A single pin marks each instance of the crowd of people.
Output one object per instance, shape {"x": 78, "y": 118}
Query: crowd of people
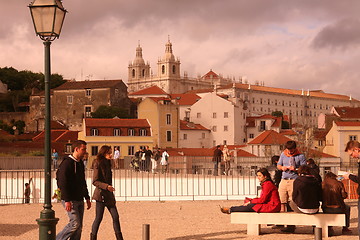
{"x": 297, "y": 186}
{"x": 146, "y": 160}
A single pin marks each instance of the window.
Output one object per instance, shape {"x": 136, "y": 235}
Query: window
{"x": 198, "y": 115}
{"x": 143, "y": 72}
{"x": 117, "y": 132}
{"x": 173, "y": 69}
{"x": 225, "y": 128}
{"x": 69, "y": 99}
{"x": 268, "y": 101}
{"x": 353, "y": 138}
{"x": 168, "y": 119}
{"x": 214, "y": 115}
{"x": 143, "y": 132}
{"x": 320, "y": 143}
{"x": 296, "y": 104}
{"x": 262, "y": 126}
{"x": 131, "y": 150}
{"x": 168, "y": 136}
{"x": 283, "y": 102}
{"x": 275, "y": 102}
{"x": 251, "y": 135}
{"x": 260, "y": 100}
{"x": 88, "y": 92}
{"x": 163, "y": 69}
{"x": 203, "y": 135}
{"x": 131, "y": 132}
{"x": 226, "y": 115}
{"x": 185, "y": 136}
{"x": 225, "y": 142}
{"x": 88, "y": 112}
{"x": 94, "y": 150}
{"x": 214, "y": 128}
{"x": 133, "y": 73}
{"x": 94, "y": 132}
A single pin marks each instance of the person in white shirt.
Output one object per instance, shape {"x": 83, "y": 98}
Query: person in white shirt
{"x": 164, "y": 161}
{"x": 116, "y": 157}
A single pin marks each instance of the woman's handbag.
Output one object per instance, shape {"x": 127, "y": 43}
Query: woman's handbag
{"x": 108, "y": 198}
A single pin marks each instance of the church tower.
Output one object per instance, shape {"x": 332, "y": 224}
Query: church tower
{"x": 168, "y": 67}
{"x": 138, "y": 70}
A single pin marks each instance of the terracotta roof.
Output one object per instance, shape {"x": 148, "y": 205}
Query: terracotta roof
{"x": 313, "y": 93}
{"x": 185, "y": 125}
{"x": 157, "y": 99}
{"x": 288, "y": 132}
{"x": 153, "y": 90}
{"x": 186, "y": 98}
{"x": 201, "y": 90}
{"x": 88, "y": 84}
{"x": 277, "y": 122}
{"x": 348, "y": 112}
{"x": 320, "y": 134}
{"x": 313, "y": 152}
{"x": 116, "y": 122}
{"x": 57, "y": 125}
{"x": 348, "y": 123}
{"x": 57, "y": 136}
{"x": 210, "y": 75}
{"x": 270, "y": 137}
{"x": 4, "y": 133}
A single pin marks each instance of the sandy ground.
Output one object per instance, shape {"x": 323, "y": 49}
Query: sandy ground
{"x": 171, "y": 220}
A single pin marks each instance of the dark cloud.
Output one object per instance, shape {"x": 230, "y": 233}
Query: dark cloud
{"x": 341, "y": 35}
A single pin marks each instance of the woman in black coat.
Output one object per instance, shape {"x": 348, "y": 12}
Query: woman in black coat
{"x": 103, "y": 194}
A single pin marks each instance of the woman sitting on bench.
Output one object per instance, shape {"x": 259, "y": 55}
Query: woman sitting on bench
{"x": 268, "y": 202}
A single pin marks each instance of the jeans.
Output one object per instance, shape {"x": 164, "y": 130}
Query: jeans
{"x": 247, "y": 208}
{"x": 100, "y": 207}
{"x": 339, "y": 210}
{"x": 55, "y": 164}
{"x": 216, "y": 167}
{"x": 73, "y": 229}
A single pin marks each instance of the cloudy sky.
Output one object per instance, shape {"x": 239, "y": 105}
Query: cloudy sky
{"x": 297, "y": 44}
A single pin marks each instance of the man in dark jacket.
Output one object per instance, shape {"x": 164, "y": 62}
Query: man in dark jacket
{"x": 217, "y": 159}
{"x": 72, "y": 184}
{"x": 353, "y": 149}
{"x": 148, "y": 155}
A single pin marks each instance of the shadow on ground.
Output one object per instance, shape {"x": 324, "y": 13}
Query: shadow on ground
{"x": 213, "y": 236}
{"x": 16, "y": 229}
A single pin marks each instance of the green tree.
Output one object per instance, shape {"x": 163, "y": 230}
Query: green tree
{"x": 110, "y": 112}
{"x": 277, "y": 114}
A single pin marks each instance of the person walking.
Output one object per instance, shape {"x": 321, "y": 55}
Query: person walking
{"x": 104, "y": 192}
{"x": 217, "y": 159}
{"x": 116, "y": 158}
{"x": 72, "y": 184}
{"x": 353, "y": 149}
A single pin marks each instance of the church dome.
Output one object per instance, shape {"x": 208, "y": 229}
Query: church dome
{"x": 168, "y": 56}
{"x": 139, "y": 59}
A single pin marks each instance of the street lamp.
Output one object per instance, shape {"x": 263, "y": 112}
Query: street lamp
{"x": 48, "y": 17}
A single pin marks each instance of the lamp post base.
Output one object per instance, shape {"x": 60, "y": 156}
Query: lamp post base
{"x": 47, "y": 224}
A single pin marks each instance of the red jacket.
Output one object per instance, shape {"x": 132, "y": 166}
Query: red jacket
{"x": 269, "y": 200}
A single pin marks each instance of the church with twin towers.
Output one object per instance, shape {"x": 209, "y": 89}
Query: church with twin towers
{"x": 168, "y": 76}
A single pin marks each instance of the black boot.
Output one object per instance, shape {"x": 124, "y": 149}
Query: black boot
{"x": 119, "y": 236}
{"x": 93, "y": 237}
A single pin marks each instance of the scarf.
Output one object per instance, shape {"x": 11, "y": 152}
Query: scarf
{"x": 288, "y": 154}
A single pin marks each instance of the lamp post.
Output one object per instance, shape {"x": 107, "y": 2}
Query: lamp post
{"x": 48, "y": 17}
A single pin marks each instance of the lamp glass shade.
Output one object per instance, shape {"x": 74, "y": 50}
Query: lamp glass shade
{"x": 48, "y": 17}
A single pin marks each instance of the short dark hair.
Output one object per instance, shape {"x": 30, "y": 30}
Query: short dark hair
{"x": 275, "y": 159}
{"x": 304, "y": 170}
{"x": 310, "y": 161}
{"x": 77, "y": 144}
{"x": 351, "y": 145}
{"x": 290, "y": 144}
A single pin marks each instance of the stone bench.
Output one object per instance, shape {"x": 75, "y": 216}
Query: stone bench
{"x": 254, "y": 220}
